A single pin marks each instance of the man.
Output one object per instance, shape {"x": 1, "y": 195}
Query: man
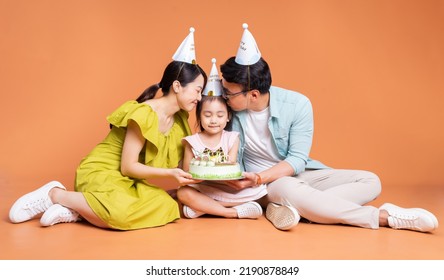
{"x": 276, "y": 130}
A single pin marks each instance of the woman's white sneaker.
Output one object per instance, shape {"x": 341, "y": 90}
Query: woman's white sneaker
{"x": 410, "y": 218}
{"x": 58, "y": 214}
{"x": 30, "y": 205}
{"x": 248, "y": 210}
{"x": 283, "y": 217}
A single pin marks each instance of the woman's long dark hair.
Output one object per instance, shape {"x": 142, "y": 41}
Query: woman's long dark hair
{"x": 183, "y": 72}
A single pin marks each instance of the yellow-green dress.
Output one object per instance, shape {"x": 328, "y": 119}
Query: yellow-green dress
{"x": 126, "y": 203}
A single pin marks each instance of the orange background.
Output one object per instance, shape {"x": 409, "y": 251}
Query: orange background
{"x": 372, "y": 69}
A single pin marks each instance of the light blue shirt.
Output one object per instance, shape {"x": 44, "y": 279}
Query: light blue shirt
{"x": 291, "y": 126}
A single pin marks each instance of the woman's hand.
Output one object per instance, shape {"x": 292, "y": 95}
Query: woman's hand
{"x": 183, "y": 178}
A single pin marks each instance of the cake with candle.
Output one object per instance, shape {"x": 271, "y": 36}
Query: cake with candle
{"x": 214, "y": 166}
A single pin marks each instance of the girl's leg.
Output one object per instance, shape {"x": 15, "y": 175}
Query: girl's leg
{"x": 202, "y": 203}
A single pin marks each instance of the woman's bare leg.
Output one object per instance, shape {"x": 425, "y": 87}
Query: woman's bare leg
{"x": 77, "y": 202}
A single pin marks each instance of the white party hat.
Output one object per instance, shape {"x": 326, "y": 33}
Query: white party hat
{"x": 214, "y": 84}
{"x": 186, "y": 52}
{"x": 248, "y": 52}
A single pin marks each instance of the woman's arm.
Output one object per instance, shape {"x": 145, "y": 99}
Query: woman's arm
{"x": 131, "y": 167}
{"x": 132, "y": 146}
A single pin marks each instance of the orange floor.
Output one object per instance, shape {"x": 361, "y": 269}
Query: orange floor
{"x": 216, "y": 238}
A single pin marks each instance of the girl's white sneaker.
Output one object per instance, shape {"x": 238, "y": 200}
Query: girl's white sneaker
{"x": 248, "y": 210}
{"x": 190, "y": 213}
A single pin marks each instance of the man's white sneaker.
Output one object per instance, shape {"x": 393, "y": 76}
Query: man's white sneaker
{"x": 58, "y": 214}
{"x": 190, "y": 213}
{"x": 248, "y": 210}
{"x": 30, "y": 205}
{"x": 283, "y": 217}
{"x": 410, "y": 218}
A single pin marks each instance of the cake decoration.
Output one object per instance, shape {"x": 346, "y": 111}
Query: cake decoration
{"x": 214, "y": 165}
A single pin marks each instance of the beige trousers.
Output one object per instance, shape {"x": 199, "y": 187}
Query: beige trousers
{"x": 330, "y": 196}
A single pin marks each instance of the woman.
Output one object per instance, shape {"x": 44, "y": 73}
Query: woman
{"x": 144, "y": 142}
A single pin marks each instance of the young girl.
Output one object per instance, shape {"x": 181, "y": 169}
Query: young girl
{"x": 212, "y": 115}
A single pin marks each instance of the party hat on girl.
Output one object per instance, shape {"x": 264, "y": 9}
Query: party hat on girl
{"x": 214, "y": 85}
{"x": 186, "y": 52}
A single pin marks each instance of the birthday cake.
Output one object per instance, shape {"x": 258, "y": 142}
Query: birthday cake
{"x": 214, "y": 166}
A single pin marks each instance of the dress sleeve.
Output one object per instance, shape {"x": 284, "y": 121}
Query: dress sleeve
{"x": 141, "y": 113}
{"x": 166, "y": 150}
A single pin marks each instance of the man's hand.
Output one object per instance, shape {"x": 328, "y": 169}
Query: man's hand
{"x": 248, "y": 181}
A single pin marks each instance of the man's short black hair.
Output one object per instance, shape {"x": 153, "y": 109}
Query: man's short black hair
{"x": 256, "y": 76}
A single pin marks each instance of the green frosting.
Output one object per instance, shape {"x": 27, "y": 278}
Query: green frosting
{"x": 226, "y": 176}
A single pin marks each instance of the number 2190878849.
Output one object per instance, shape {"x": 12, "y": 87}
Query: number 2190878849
{"x": 269, "y": 270}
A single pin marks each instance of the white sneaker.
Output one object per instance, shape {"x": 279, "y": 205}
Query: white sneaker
{"x": 190, "y": 213}
{"x": 58, "y": 214}
{"x": 283, "y": 217}
{"x": 30, "y": 205}
{"x": 248, "y": 210}
{"x": 410, "y": 218}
